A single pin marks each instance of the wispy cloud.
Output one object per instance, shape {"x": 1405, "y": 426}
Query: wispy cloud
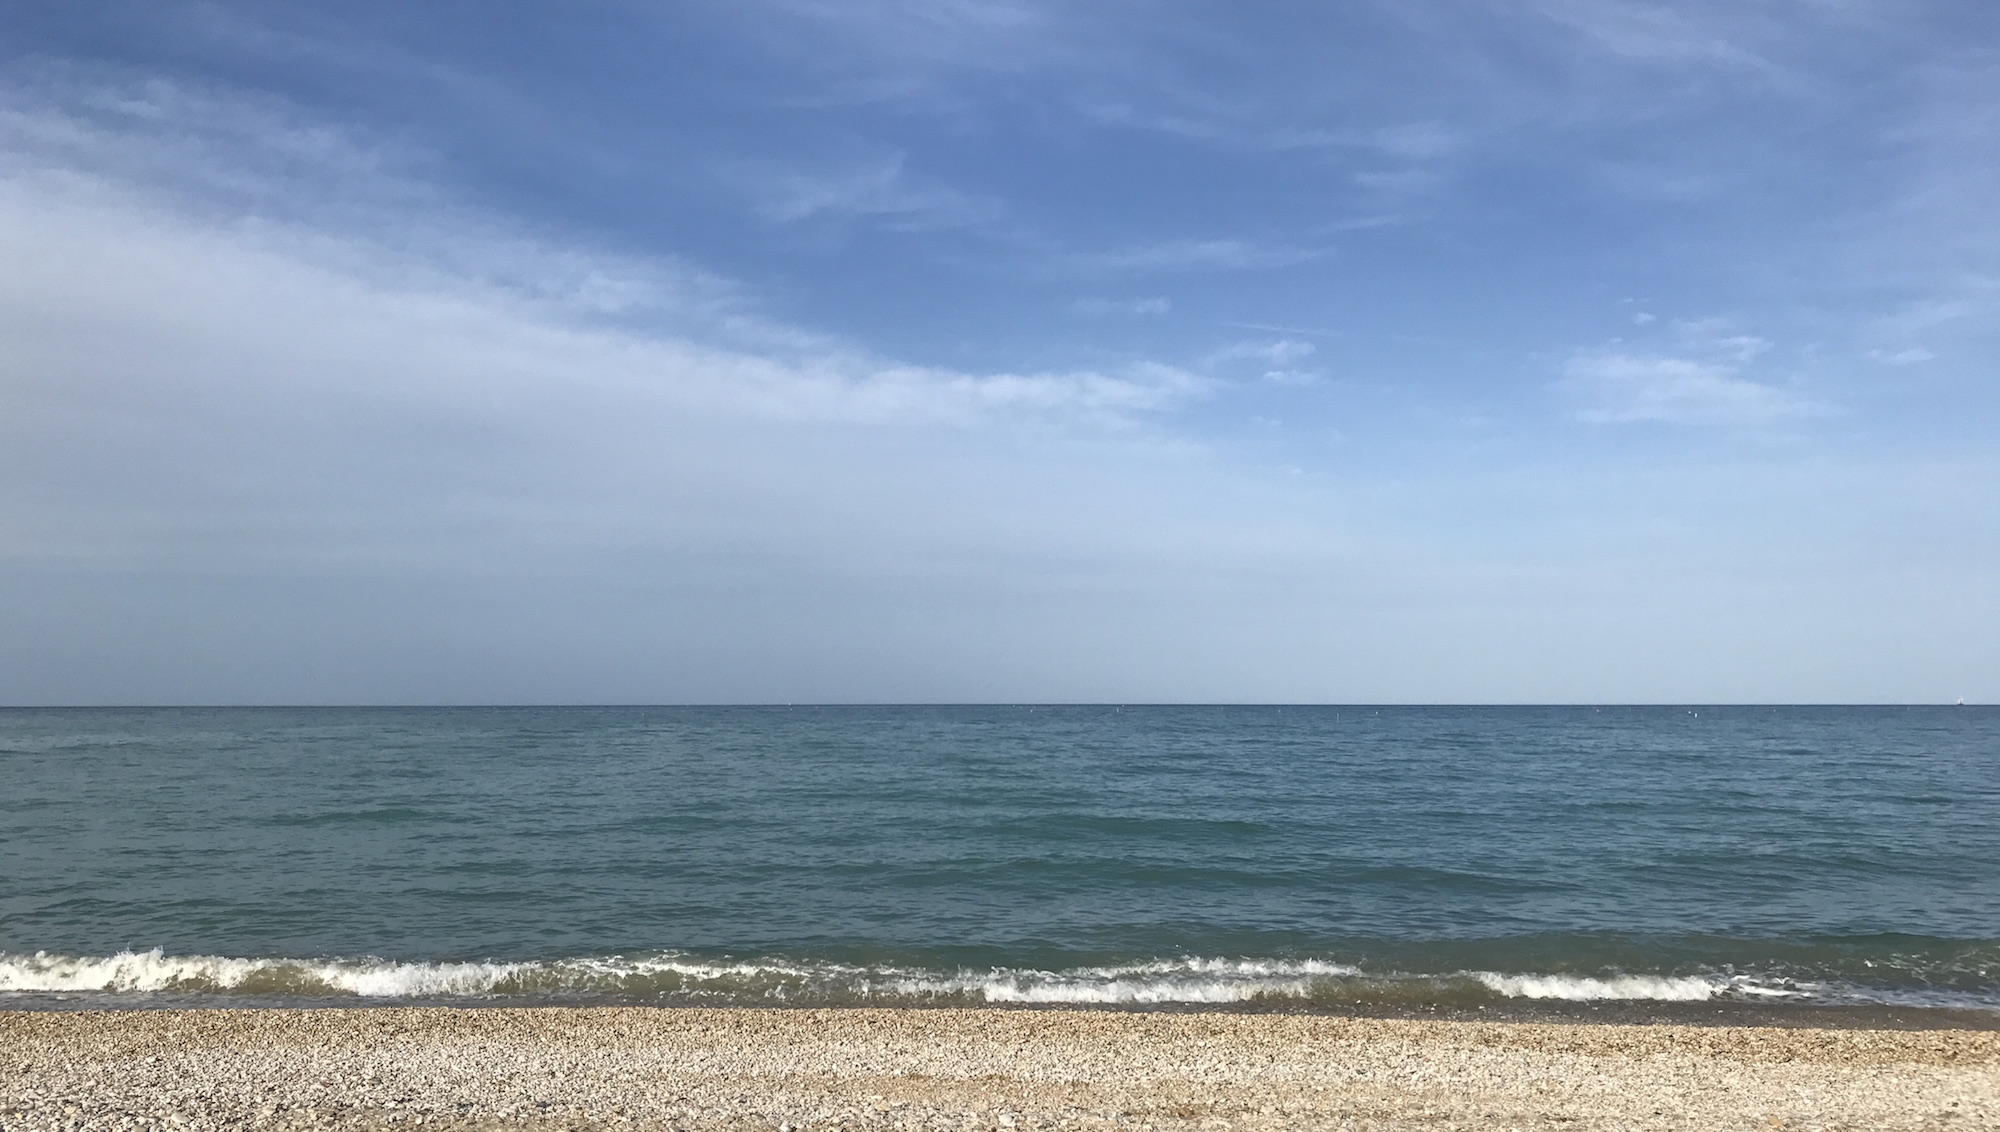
{"x": 1910, "y": 356}
{"x": 1620, "y": 388}
{"x": 1098, "y": 308}
{"x": 1688, "y": 33}
{"x": 1717, "y": 338}
{"x": 231, "y": 154}
{"x": 1278, "y": 359}
{"x": 200, "y": 166}
{"x": 1185, "y": 254}
{"x": 1701, "y": 381}
{"x": 1252, "y": 125}
{"x": 191, "y": 384}
{"x": 881, "y": 190}
{"x": 1398, "y": 183}
{"x": 1930, "y": 313}
{"x": 1277, "y": 352}
{"x": 930, "y": 31}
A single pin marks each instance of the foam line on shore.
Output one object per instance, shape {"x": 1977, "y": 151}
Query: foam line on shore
{"x": 672, "y": 976}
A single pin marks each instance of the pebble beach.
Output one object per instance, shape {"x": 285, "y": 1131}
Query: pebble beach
{"x": 856, "y": 1069}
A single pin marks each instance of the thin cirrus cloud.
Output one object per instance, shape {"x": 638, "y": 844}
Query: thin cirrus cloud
{"x": 1712, "y": 34}
{"x": 1278, "y": 359}
{"x": 1194, "y": 254}
{"x": 1098, "y": 307}
{"x": 1277, "y": 352}
{"x": 1704, "y": 377}
{"x": 881, "y": 191}
{"x": 1908, "y": 356}
{"x": 1621, "y": 388}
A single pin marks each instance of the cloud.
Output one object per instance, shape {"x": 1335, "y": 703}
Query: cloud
{"x": 1620, "y": 388}
{"x": 230, "y": 470}
{"x": 701, "y": 363}
{"x": 1700, "y": 381}
{"x": 931, "y": 395}
{"x": 1400, "y": 182}
{"x": 1252, "y": 125}
{"x": 881, "y": 190}
{"x": 1279, "y": 358}
{"x": 961, "y": 32}
{"x": 256, "y": 168}
{"x": 1914, "y": 355}
{"x": 1972, "y": 300}
{"x": 1277, "y": 352}
{"x": 237, "y": 182}
{"x": 1153, "y": 305}
{"x": 1416, "y": 141}
{"x": 1707, "y": 34}
{"x": 1188, "y": 254}
{"x": 207, "y": 364}
{"x": 225, "y": 155}
{"x": 1715, "y": 338}
{"x": 267, "y": 384}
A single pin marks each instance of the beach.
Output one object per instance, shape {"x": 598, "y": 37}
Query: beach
{"x": 798, "y": 1069}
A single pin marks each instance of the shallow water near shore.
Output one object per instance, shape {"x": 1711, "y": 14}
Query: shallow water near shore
{"x": 1314, "y": 858}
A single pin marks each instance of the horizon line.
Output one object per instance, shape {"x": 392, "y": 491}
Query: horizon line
{"x": 1114, "y": 704}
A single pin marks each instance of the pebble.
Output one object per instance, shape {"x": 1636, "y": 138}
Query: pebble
{"x": 967, "y": 1071}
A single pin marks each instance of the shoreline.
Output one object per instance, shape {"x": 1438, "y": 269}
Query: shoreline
{"x": 1602, "y": 1012}
{"x": 808, "y": 1069}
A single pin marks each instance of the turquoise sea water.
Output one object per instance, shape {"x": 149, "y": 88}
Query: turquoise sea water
{"x": 911, "y": 855}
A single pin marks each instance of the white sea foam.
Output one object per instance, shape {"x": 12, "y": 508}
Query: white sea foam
{"x": 1579, "y": 988}
{"x": 678, "y": 976}
{"x": 1187, "y": 980}
{"x": 1190, "y": 980}
{"x": 154, "y": 971}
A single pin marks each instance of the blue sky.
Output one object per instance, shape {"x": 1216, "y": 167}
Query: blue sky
{"x": 772, "y": 350}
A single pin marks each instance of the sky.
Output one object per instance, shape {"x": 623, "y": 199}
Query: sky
{"x": 1456, "y": 351}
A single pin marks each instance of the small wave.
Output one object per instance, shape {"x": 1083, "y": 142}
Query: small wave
{"x": 1182, "y": 981}
{"x": 1575, "y": 988}
{"x": 152, "y": 972}
{"x": 680, "y": 977}
{"x": 147, "y": 972}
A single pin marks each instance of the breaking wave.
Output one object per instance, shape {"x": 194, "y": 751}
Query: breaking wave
{"x": 1180, "y": 981}
{"x": 677, "y": 977}
{"x": 1571, "y": 988}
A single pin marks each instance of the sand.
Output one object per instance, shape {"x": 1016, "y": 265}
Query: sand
{"x": 794, "y": 1070}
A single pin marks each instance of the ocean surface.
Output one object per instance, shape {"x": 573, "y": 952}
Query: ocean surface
{"x": 1298, "y": 857}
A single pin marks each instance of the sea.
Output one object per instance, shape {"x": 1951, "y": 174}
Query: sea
{"x": 1138, "y": 857}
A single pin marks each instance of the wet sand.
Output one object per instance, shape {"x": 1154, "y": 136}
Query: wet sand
{"x": 794, "y": 1070}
